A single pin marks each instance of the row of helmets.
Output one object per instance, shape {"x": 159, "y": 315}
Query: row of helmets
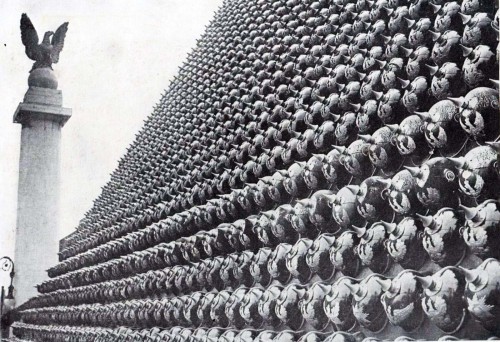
{"x": 442, "y": 238}
{"x": 180, "y": 334}
{"x": 342, "y": 21}
{"x": 446, "y": 297}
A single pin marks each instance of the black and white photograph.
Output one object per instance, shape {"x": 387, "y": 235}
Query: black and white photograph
{"x": 249, "y": 170}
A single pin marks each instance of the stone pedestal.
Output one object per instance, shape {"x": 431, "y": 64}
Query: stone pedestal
{"x": 42, "y": 116}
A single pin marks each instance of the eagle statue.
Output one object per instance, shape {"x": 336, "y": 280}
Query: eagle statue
{"x": 48, "y": 51}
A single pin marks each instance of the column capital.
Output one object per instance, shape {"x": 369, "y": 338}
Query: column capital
{"x": 42, "y": 104}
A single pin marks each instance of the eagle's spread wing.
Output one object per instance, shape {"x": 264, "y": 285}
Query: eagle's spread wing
{"x": 58, "y": 42}
{"x": 29, "y": 38}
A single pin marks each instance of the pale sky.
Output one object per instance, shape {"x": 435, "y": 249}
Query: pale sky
{"x": 118, "y": 57}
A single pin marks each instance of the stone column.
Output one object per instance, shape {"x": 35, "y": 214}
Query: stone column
{"x": 42, "y": 116}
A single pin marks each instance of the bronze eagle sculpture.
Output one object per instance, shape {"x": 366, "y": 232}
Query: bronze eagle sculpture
{"x": 48, "y": 51}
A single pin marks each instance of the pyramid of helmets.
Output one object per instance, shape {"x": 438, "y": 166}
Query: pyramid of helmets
{"x": 317, "y": 171}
